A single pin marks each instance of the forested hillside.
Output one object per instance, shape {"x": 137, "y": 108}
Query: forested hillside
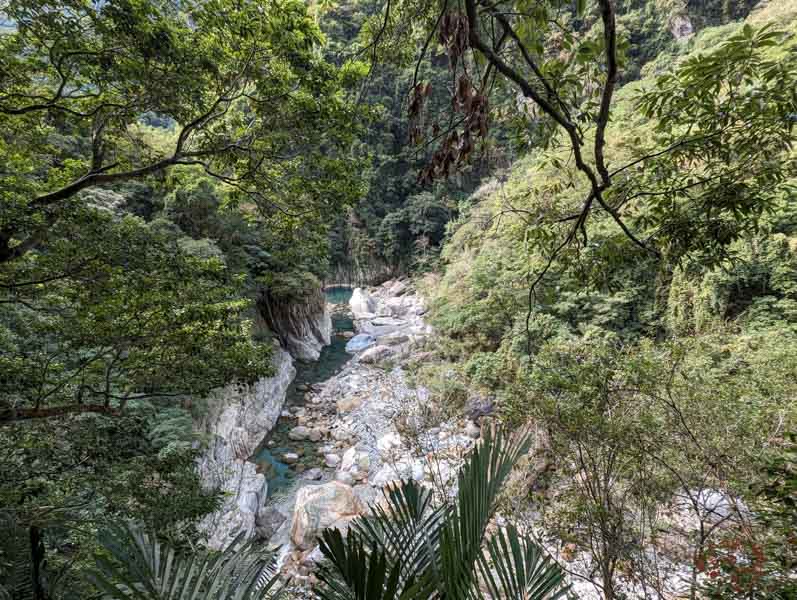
{"x": 577, "y": 376}
{"x": 660, "y": 363}
{"x": 399, "y": 225}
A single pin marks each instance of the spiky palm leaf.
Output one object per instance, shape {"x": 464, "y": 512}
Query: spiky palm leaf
{"x": 361, "y": 574}
{"x": 407, "y": 528}
{"x": 411, "y": 550}
{"x": 479, "y": 482}
{"x": 515, "y": 568}
{"x": 398, "y": 543}
{"x": 141, "y": 568}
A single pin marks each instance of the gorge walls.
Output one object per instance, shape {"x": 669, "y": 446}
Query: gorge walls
{"x": 303, "y": 326}
{"x": 238, "y": 417}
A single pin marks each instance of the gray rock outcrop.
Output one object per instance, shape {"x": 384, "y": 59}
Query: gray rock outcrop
{"x": 681, "y": 27}
{"x": 236, "y": 420}
{"x": 304, "y": 326}
{"x": 316, "y": 333}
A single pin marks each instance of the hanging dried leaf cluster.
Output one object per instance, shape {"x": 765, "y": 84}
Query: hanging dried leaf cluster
{"x": 457, "y": 147}
{"x": 467, "y": 100}
{"x": 420, "y": 93}
{"x": 453, "y": 36}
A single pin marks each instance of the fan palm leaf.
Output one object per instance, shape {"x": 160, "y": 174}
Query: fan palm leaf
{"x": 137, "y": 566}
{"x": 515, "y": 568}
{"x": 406, "y": 527}
{"x": 479, "y": 482}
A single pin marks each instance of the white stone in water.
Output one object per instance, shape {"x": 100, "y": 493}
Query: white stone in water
{"x": 360, "y": 342}
{"x": 313, "y": 474}
{"x": 290, "y": 458}
{"x": 331, "y": 460}
{"x": 299, "y": 434}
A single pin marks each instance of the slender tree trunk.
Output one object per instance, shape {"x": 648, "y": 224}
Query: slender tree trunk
{"x": 37, "y": 560}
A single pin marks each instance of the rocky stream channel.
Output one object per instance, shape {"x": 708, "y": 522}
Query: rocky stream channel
{"x": 285, "y": 458}
{"x": 312, "y": 446}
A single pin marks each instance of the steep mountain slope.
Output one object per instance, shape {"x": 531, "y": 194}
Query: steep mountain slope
{"x": 661, "y": 388}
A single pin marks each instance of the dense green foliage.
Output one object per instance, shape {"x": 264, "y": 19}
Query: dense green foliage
{"x": 159, "y": 161}
{"x": 605, "y": 201}
{"x": 399, "y": 224}
{"x": 650, "y": 375}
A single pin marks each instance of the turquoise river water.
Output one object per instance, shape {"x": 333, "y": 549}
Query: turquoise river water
{"x": 331, "y": 361}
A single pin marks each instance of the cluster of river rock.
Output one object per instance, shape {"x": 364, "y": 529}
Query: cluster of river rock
{"x": 351, "y": 435}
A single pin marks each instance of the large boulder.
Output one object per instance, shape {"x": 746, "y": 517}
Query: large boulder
{"x": 301, "y": 433}
{"x": 319, "y": 507}
{"x": 360, "y": 342}
{"x": 268, "y": 522}
{"x": 405, "y": 306}
{"x": 375, "y": 354}
{"x": 397, "y": 288}
{"x": 362, "y": 304}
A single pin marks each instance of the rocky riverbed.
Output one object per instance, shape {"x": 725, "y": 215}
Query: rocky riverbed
{"x": 357, "y": 430}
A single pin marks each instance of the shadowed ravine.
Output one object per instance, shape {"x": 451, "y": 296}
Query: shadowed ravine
{"x": 333, "y": 357}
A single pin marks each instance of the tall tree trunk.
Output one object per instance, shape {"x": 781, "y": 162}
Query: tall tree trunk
{"x": 37, "y": 560}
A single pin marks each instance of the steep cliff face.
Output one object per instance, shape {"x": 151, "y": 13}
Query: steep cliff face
{"x": 315, "y": 333}
{"x": 237, "y": 419}
{"x": 304, "y": 326}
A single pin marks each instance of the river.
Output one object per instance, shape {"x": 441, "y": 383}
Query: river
{"x": 276, "y": 445}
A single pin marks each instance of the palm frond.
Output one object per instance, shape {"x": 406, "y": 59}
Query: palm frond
{"x": 480, "y": 481}
{"x": 515, "y": 568}
{"x": 406, "y": 527}
{"x": 358, "y": 573}
{"x": 138, "y": 566}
